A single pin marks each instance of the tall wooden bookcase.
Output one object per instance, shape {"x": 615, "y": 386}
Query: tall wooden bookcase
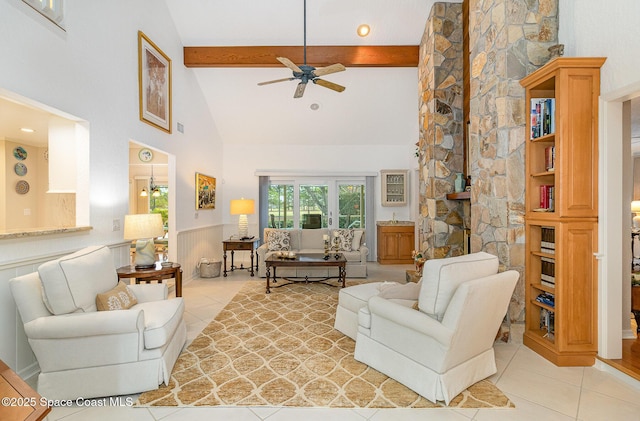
{"x": 561, "y": 210}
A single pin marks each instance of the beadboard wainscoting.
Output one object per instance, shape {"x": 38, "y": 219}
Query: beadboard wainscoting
{"x": 195, "y": 244}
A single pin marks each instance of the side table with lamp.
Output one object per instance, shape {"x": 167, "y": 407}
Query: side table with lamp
{"x": 143, "y": 228}
{"x": 241, "y": 207}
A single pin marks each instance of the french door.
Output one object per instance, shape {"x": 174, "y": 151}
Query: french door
{"x": 307, "y": 202}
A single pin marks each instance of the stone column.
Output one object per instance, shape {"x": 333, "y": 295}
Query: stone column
{"x": 440, "y": 148}
{"x": 508, "y": 40}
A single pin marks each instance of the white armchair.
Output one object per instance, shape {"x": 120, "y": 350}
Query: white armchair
{"x": 447, "y": 344}
{"x": 87, "y": 353}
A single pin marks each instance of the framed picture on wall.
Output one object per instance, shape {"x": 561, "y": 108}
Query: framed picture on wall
{"x": 154, "y": 82}
{"x": 205, "y": 192}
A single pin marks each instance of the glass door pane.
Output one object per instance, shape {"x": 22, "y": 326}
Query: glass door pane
{"x": 313, "y": 205}
{"x": 281, "y": 206}
{"x": 351, "y": 205}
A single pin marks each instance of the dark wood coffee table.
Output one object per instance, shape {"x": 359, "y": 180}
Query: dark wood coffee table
{"x": 307, "y": 260}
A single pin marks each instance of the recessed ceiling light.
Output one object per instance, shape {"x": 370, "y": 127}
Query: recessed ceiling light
{"x": 314, "y": 106}
{"x": 27, "y": 130}
{"x": 363, "y": 30}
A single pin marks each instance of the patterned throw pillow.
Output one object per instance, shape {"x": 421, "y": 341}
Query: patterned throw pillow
{"x": 278, "y": 240}
{"x": 344, "y": 238}
{"x": 119, "y": 298}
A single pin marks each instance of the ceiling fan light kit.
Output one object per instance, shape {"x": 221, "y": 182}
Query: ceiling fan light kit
{"x": 306, "y": 73}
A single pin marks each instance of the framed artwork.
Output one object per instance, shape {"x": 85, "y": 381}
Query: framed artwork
{"x": 205, "y": 192}
{"x": 154, "y": 82}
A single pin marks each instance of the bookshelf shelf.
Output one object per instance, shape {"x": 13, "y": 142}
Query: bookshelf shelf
{"x": 550, "y": 138}
{"x": 544, "y": 174}
{"x": 543, "y": 288}
{"x": 541, "y": 305}
{"x": 561, "y": 210}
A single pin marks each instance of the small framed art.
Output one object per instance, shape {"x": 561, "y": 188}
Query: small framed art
{"x": 205, "y": 192}
{"x": 154, "y": 82}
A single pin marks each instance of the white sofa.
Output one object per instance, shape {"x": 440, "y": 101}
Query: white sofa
{"x": 311, "y": 241}
{"x": 446, "y": 344}
{"x": 83, "y": 352}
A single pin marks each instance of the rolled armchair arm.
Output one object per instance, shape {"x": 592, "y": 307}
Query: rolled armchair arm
{"x": 79, "y": 325}
{"x": 364, "y": 252}
{"x": 410, "y": 318}
{"x": 262, "y": 250}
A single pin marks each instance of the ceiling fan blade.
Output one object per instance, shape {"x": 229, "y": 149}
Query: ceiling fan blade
{"x": 276, "y": 81}
{"x": 300, "y": 90}
{"x": 330, "y": 85}
{"x": 289, "y": 64}
{"x": 321, "y": 71}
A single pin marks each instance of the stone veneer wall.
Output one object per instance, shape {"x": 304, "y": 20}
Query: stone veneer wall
{"x": 508, "y": 40}
{"x": 440, "y": 146}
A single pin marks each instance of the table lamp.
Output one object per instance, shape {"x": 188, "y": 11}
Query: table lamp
{"x": 144, "y": 228}
{"x": 243, "y": 207}
{"x": 635, "y": 208}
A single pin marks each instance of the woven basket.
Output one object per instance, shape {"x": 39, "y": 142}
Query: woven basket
{"x": 210, "y": 270}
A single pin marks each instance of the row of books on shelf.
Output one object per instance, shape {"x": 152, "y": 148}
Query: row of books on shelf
{"x": 548, "y": 272}
{"x": 547, "y": 197}
{"x": 546, "y": 298}
{"x": 543, "y": 120}
{"x": 547, "y": 323}
{"x": 548, "y": 240}
{"x": 550, "y": 158}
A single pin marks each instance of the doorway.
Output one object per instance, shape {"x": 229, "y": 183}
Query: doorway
{"x": 149, "y": 190}
{"x": 616, "y": 187}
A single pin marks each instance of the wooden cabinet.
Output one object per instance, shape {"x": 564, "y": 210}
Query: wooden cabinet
{"x": 394, "y": 187}
{"x": 395, "y": 243}
{"x": 561, "y": 210}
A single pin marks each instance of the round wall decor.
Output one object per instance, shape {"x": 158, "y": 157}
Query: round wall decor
{"x": 20, "y": 169}
{"x": 22, "y": 187}
{"x": 19, "y": 153}
{"x": 145, "y": 155}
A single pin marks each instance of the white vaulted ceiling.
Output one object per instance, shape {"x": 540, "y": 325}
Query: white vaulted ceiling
{"x": 246, "y": 113}
{"x": 378, "y": 107}
{"x": 280, "y": 22}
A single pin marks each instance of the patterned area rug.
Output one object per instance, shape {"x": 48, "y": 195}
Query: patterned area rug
{"x": 281, "y": 349}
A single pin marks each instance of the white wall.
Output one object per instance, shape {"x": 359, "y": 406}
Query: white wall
{"x": 372, "y": 125}
{"x": 596, "y": 28}
{"x": 604, "y": 29}
{"x": 91, "y": 72}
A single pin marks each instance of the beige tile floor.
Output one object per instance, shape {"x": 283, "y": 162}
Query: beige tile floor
{"x": 539, "y": 389}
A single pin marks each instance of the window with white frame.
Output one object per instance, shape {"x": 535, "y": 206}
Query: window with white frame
{"x": 316, "y": 202}
{"x": 51, "y": 9}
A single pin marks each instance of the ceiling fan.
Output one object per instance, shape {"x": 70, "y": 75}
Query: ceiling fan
{"x": 306, "y": 73}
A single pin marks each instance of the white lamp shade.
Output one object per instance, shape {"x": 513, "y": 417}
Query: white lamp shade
{"x": 144, "y": 225}
{"x": 635, "y": 206}
{"x": 242, "y": 207}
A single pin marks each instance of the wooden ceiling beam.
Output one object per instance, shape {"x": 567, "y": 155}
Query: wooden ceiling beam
{"x": 317, "y": 56}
